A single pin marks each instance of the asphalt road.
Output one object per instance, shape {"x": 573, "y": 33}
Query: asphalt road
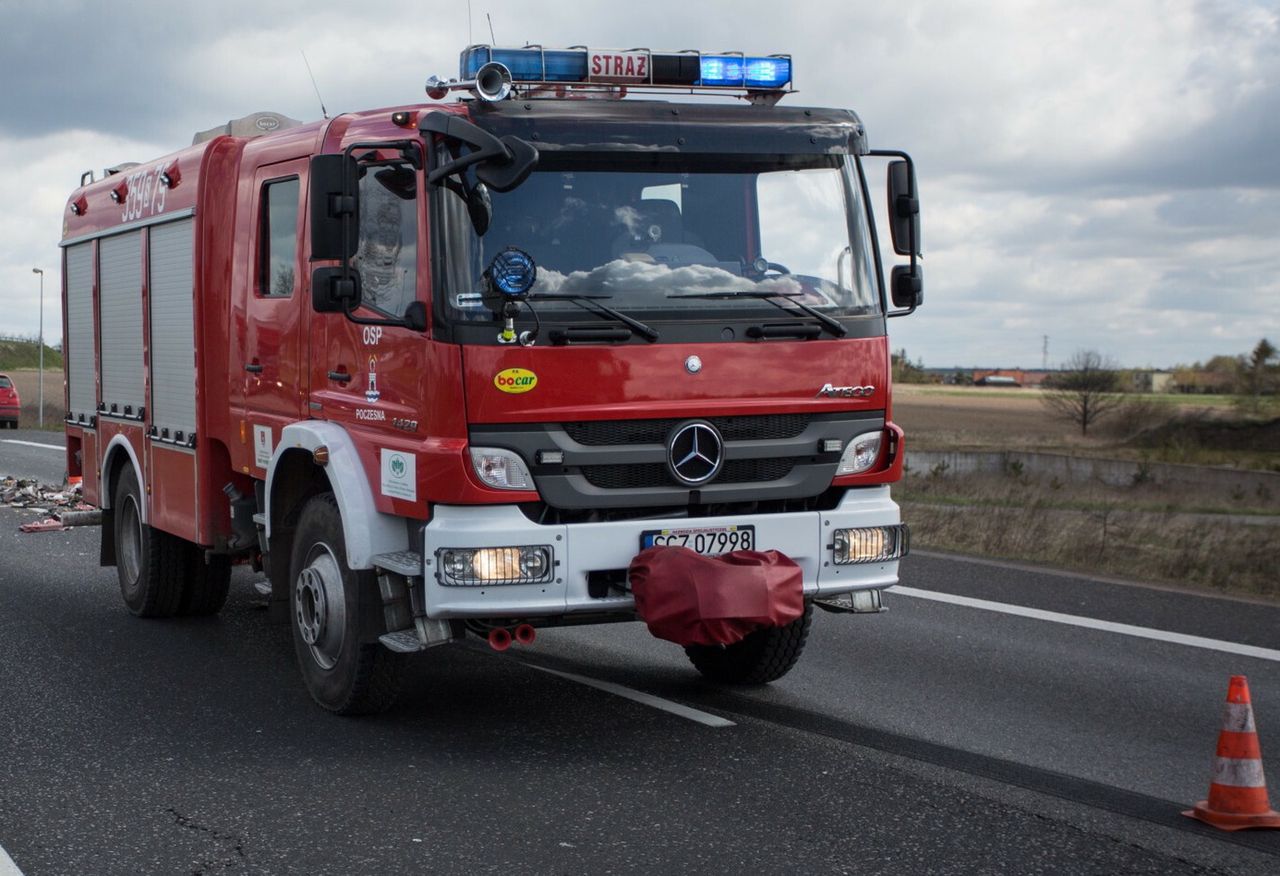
{"x": 31, "y": 453}
{"x": 933, "y": 738}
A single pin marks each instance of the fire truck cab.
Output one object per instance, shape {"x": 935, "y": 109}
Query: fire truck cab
{"x": 448, "y": 368}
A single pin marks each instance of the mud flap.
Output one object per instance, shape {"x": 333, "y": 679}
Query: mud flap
{"x": 690, "y": 599}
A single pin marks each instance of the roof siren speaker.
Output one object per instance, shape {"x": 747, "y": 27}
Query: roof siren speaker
{"x": 493, "y": 82}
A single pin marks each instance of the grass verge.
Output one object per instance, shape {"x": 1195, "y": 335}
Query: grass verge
{"x": 1185, "y": 539}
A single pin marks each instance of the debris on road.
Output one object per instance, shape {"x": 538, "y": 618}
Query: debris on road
{"x": 50, "y": 524}
{"x": 31, "y": 495}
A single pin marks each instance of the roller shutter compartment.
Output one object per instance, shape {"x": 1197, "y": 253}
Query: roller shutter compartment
{"x": 81, "y": 349}
{"x": 120, "y": 292}
{"x": 173, "y": 375}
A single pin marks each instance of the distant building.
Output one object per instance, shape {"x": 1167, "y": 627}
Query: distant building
{"x": 1009, "y": 376}
{"x": 1152, "y": 381}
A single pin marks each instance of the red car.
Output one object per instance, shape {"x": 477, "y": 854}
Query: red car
{"x": 9, "y": 403}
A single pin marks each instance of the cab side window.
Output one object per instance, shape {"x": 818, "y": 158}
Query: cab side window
{"x": 279, "y": 243}
{"x": 387, "y": 256}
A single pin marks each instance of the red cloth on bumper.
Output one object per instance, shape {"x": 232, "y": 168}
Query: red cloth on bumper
{"x": 690, "y": 599}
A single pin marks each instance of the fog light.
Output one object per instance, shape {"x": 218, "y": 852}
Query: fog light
{"x": 872, "y": 544}
{"x": 477, "y": 567}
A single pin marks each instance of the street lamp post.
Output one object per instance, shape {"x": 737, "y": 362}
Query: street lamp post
{"x": 41, "y": 403}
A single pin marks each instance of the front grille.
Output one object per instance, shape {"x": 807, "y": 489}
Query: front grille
{"x": 608, "y": 433}
{"x": 655, "y": 474}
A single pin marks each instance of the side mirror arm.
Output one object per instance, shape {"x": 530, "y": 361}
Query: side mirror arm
{"x": 501, "y": 164}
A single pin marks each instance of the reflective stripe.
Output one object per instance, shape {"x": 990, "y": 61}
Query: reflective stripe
{"x": 1238, "y": 773}
{"x": 1238, "y": 718}
{"x": 1241, "y": 746}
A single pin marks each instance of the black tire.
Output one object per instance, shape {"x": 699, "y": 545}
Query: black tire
{"x": 207, "y": 584}
{"x": 763, "y": 656}
{"x": 345, "y": 671}
{"x": 149, "y": 563}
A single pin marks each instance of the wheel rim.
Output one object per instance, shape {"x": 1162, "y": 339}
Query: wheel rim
{"x": 130, "y": 543}
{"x": 319, "y": 608}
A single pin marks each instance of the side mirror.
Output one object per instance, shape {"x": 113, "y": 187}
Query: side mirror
{"x": 335, "y": 207}
{"x": 904, "y": 209}
{"x": 332, "y": 292}
{"x": 504, "y": 174}
{"x": 906, "y": 284}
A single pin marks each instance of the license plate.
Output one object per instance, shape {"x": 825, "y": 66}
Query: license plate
{"x": 710, "y": 541}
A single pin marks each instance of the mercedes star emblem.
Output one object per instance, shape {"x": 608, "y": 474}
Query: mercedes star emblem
{"x": 695, "y": 453}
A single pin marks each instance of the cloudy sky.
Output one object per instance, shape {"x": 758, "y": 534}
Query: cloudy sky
{"x": 1103, "y": 173}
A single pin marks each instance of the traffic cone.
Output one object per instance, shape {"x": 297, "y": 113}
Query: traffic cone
{"x": 1238, "y": 789}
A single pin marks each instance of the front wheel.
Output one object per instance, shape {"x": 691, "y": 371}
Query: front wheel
{"x": 328, "y": 602}
{"x": 763, "y": 656}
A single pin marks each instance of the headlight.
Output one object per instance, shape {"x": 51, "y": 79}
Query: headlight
{"x": 871, "y": 544}
{"x": 479, "y": 567}
{"x": 861, "y": 453}
{"x": 502, "y": 469}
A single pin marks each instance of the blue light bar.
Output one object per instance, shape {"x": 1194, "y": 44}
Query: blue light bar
{"x": 735, "y": 71}
{"x": 528, "y": 65}
{"x": 634, "y": 67}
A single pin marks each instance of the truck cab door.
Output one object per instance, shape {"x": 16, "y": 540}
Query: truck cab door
{"x": 269, "y": 373}
{"x": 372, "y": 378}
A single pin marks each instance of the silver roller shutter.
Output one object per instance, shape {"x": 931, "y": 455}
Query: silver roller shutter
{"x": 81, "y": 349}
{"x": 173, "y": 372}
{"x": 120, "y": 291}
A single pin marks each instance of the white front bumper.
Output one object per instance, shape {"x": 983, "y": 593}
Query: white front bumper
{"x": 581, "y": 548}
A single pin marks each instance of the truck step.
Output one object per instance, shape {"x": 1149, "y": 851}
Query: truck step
{"x": 402, "y": 641}
{"x": 407, "y": 563}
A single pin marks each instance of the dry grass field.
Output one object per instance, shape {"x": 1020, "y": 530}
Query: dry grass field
{"x": 985, "y": 418}
{"x": 1222, "y": 539}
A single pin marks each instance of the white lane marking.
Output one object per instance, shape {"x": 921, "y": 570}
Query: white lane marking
{"x": 7, "y": 867}
{"x": 646, "y": 699}
{"x": 31, "y": 444}
{"x": 1093, "y": 624}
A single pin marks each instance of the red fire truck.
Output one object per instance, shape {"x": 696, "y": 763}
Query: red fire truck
{"x": 448, "y": 368}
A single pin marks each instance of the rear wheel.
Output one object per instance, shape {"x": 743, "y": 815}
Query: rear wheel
{"x": 149, "y": 563}
{"x": 345, "y": 671}
{"x": 763, "y": 656}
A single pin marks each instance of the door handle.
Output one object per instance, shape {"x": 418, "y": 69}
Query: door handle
{"x": 340, "y": 376}
{"x": 253, "y": 367}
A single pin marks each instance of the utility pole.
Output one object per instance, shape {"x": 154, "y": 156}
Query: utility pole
{"x": 41, "y": 414}
{"x": 1044, "y": 355}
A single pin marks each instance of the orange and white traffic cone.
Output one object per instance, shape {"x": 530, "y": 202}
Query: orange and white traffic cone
{"x": 1238, "y": 789}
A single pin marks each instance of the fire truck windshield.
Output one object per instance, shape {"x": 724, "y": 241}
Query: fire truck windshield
{"x": 657, "y": 232}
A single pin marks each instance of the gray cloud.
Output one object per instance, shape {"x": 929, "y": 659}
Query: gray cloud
{"x": 1103, "y": 173}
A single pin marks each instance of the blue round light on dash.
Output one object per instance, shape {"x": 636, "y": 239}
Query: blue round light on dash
{"x": 513, "y": 272}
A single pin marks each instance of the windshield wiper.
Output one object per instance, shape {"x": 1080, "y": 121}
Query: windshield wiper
{"x": 591, "y": 304}
{"x": 830, "y": 324}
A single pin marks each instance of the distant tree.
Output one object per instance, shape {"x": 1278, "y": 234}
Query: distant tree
{"x": 1086, "y": 389}
{"x": 904, "y": 371}
{"x": 1229, "y": 373}
{"x": 1260, "y": 374}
